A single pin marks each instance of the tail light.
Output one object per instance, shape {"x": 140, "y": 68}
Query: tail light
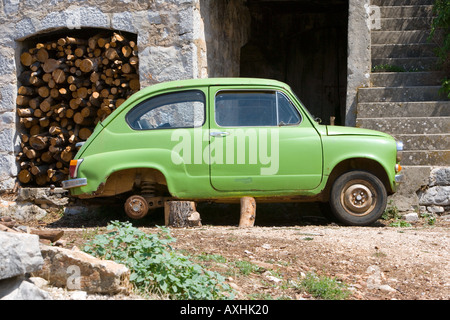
{"x": 73, "y": 167}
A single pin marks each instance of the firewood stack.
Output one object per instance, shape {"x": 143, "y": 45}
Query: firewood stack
{"x": 67, "y": 86}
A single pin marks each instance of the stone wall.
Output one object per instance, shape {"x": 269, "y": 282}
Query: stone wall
{"x": 170, "y": 37}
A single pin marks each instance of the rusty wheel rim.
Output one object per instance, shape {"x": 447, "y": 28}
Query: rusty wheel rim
{"x": 358, "y": 198}
{"x": 136, "y": 207}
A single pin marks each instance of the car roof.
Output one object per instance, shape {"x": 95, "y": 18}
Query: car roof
{"x": 213, "y": 82}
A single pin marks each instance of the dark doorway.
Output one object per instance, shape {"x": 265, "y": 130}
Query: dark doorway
{"x": 303, "y": 43}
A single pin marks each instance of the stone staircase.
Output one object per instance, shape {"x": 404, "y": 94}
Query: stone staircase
{"x": 405, "y": 101}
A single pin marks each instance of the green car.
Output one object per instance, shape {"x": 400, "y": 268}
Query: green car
{"x": 221, "y": 139}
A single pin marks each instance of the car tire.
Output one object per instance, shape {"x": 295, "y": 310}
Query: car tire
{"x": 358, "y": 198}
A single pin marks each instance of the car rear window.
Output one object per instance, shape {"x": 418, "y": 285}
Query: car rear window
{"x": 184, "y": 109}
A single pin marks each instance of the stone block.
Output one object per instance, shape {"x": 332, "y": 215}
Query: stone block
{"x": 19, "y": 254}
{"x": 78, "y": 270}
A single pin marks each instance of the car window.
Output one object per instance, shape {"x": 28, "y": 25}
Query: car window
{"x": 254, "y": 108}
{"x": 287, "y": 114}
{"x": 184, "y": 109}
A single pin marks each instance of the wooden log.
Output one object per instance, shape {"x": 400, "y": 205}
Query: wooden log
{"x": 24, "y": 176}
{"x": 248, "y": 212}
{"x": 180, "y": 214}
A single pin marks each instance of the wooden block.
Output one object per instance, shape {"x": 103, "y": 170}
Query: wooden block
{"x": 248, "y": 212}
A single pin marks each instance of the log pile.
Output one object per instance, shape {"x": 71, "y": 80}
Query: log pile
{"x": 67, "y": 87}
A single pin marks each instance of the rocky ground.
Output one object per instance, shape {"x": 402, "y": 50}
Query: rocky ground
{"x": 288, "y": 242}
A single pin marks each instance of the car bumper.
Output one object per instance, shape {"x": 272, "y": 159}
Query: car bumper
{"x": 73, "y": 183}
{"x": 399, "y": 178}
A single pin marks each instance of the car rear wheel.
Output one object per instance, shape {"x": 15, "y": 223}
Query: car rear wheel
{"x": 358, "y": 198}
{"x": 136, "y": 207}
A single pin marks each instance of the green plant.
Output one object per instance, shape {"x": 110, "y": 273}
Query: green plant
{"x": 391, "y": 212}
{"x": 400, "y": 223}
{"x": 246, "y": 267}
{"x": 441, "y": 22}
{"x": 155, "y": 266}
{"x": 324, "y": 287}
{"x": 387, "y": 68}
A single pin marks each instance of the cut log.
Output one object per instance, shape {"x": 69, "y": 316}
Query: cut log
{"x": 180, "y": 214}
{"x": 248, "y": 212}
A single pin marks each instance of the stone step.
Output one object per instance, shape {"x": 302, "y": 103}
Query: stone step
{"x": 426, "y": 158}
{"x": 408, "y": 64}
{"x": 393, "y": 126}
{"x": 430, "y": 142}
{"x": 412, "y": 11}
{"x": 397, "y": 37}
{"x": 403, "y": 109}
{"x": 400, "y": 94}
{"x": 401, "y": 2}
{"x": 412, "y": 23}
{"x": 401, "y": 79}
{"x": 412, "y": 50}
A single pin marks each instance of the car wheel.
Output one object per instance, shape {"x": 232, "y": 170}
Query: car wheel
{"x": 358, "y": 198}
{"x": 136, "y": 207}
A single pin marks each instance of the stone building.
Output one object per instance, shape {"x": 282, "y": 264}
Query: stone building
{"x": 325, "y": 50}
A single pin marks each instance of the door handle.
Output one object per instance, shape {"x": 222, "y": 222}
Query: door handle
{"x": 219, "y": 134}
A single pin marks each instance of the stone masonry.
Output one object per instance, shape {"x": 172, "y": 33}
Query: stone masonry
{"x": 171, "y": 37}
{"x": 403, "y": 100}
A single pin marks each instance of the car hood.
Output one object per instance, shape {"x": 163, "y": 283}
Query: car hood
{"x": 341, "y": 130}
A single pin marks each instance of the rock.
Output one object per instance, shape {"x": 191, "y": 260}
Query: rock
{"x": 19, "y": 254}
{"x": 78, "y": 270}
{"x": 435, "y": 209}
{"x": 19, "y": 288}
{"x": 48, "y": 196}
{"x": 440, "y": 177}
{"x": 438, "y": 195}
{"x": 412, "y": 216}
{"x": 22, "y": 211}
{"x": 386, "y": 288}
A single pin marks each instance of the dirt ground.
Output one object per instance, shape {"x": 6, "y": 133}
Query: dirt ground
{"x": 379, "y": 262}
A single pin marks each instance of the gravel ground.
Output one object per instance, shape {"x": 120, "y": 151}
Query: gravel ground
{"x": 379, "y": 262}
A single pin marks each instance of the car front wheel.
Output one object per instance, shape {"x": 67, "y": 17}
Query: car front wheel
{"x": 358, "y": 198}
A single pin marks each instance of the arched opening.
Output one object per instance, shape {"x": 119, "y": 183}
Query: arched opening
{"x": 303, "y": 43}
{"x": 68, "y": 81}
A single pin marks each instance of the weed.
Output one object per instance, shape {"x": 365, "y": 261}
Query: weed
{"x": 155, "y": 266}
{"x": 324, "y": 287}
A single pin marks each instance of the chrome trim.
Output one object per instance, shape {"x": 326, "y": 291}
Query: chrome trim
{"x": 73, "y": 183}
{"x": 399, "y": 145}
{"x": 399, "y": 178}
{"x": 79, "y": 144}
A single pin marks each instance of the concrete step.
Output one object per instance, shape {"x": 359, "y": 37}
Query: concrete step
{"x": 426, "y": 158}
{"x": 397, "y": 37}
{"x": 401, "y": 2}
{"x": 411, "y": 23}
{"x": 400, "y": 79}
{"x": 430, "y": 142}
{"x": 412, "y": 11}
{"x": 393, "y": 126}
{"x": 408, "y": 64}
{"x": 411, "y": 50}
{"x": 403, "y": 109}
{"x": 400, "y": 94}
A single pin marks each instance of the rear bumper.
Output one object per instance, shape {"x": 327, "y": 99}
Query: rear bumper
{"x": 74, "y": 183}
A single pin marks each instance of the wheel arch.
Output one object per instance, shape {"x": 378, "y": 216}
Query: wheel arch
{"x": 363, "y": 164}
{"x": 124, "y": 180}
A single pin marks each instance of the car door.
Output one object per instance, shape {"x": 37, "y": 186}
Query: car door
{"x": 259, "y": 141}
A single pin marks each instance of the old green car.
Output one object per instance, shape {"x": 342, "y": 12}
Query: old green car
{"x": 221, "y": 139}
